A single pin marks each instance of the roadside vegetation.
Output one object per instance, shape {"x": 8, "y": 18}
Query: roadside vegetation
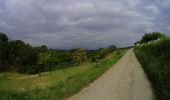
{"x": 150, "y": 37}
{"x": 155, "y": 59}
{"x": 17, "y": 56}
{"x": 55, "y": 85}
{"x": 39, "y": 73}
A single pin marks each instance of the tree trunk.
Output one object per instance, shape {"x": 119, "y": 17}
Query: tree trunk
{"x": 39, "y": 73}
{"x": 1, "y": 65}
{"x": 50, "y": 67}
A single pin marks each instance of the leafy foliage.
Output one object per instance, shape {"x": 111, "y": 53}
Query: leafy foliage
{"x": 79, "y": 55}
{"x": 15, "y": 55}
{"x": 44, "y": 62}
{"x": 148, "y": 37}
{"x": 155, "y": 58}
{"x": 3, "y": 50}
{"x": 96, "y": 55}
{"x": 61, "y": 83}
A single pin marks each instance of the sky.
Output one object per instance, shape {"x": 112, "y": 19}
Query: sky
{"x": 89, "y": 24}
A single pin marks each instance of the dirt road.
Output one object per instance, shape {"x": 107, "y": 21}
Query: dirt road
{"x": 126, "y": 80}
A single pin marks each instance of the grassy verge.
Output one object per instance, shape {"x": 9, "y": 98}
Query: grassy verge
{"x": 16, "y": 81}
{"x": 155, "y": 59}
{"x": 55, "y": 85}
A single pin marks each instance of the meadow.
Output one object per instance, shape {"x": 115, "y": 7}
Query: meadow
{"x": 58, "y": 84}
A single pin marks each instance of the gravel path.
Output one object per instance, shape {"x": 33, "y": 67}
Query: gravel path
{"x": 126, "y": 80}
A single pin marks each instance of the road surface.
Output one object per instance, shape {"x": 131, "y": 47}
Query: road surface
{"x": 126, "y": 80}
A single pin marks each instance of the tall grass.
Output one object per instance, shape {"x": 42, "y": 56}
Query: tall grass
{"x": 155, "y": 59}
{"x": 62, "y": 89}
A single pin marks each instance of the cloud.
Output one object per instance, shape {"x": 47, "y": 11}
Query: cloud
{"x": 83, "y": 23}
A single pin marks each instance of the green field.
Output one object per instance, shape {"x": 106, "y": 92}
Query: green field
{"x": 58, "y": 84}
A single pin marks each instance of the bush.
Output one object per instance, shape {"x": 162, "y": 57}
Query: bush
{"x": 155, "y": 59}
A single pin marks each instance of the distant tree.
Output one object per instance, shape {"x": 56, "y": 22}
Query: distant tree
{"x": 105, "y": 51}
{"x": 92, "y": 55}
{"x": 22, "y": 57}
{"x": 79, "y": 55}
{"x": 112, "y": 48}
{"x": 15, "y": 48}
{"x": 44, "y": 61}
{"x": 3, "y": 37}
{"x": 26, "y": 58}
{"x": 136, "y": 43}
{"x": 148, "y": 37}
{"x": 42, "y": 49}
{"x": 3, "y": 50}
{"x": 96, "y": 55}
{"x": 65, "y": 58}
{"x": 18, "y": 56}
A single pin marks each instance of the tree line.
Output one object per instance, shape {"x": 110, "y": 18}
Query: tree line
{"x": 16, "y": 55}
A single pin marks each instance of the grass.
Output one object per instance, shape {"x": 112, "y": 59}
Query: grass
{"x": 56, "y": 85}
{"x": 16, "y": 81}
{"x": 155, "y": 59}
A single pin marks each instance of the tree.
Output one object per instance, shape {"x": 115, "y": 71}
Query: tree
{"x": 112, "y": 48}
{"x": 79, "y": 55}
{"x": 22, "y": 57}
{"x": 64, "y": 58}
{"x": 3, "y": 50}
{"x": 136, "y": 43}
{"x": 105, "y": 51}
{"x": 27, "y": 57}
{"x": 44, "y": 62}
{"x": 148, "y": 37}
{"x": 42, "y": 49}
{"x": 3, "y": 37}
{"x": 15, "y": 49}
{"x": 92, "y": 55}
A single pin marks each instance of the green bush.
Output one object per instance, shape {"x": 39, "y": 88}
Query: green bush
{"x": 155, "y": 59}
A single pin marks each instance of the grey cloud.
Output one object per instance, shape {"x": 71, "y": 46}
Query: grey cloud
{"x": 83, "y": 23}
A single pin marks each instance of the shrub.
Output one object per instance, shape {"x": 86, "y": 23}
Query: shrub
{"x": 155, "y": 58}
